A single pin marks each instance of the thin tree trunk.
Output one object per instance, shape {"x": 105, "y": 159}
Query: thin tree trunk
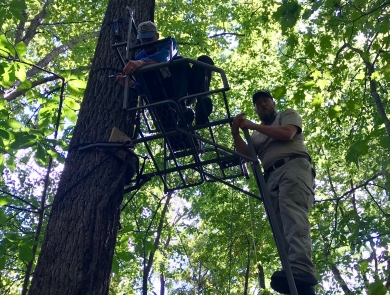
{"x": 76, "y": 255}
{"x": 340, "y": 279}
{"x": 248, "y": 264}
{"x": 155, "y": 245}
{"x": 39, "y": 228}
{"x": 162, "y": 284}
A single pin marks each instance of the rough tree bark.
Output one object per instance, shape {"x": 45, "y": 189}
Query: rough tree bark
{"x": 76, "y": 255}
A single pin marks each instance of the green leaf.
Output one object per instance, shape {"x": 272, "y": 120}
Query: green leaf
{"x": 298, "y": 97}
{"x": 377, "y": 288}
{"x": 72, "y": 104}
{"x": 357, "y": 149}
{"x": 23, "y": 140}
{"x": 21, "y": 49}
{"x": 25, "y": 253}
{"x": 317, "y": 101}
{"x": 5, "y": 134}
{"x": 387, "y": 223}
{"x": 115, "y": 265}
{"x": 21, "y": 73}
{"x": 125, "y": 256}
{"x": 334, "y": 112}
{"x": 385, "y": 142}
{"x": 77, "y": 84}
{"x": 360, "y": 76}
{"x": 363, "y": 266}
{"x": 4, "y": 200}
{"x": 279, "y": 92}
{"x": 16, "y": 4}
{"x": 325, "y": 42}
{"x": 307, "y": 13}
{"x": 6, "y": 46}
{"x": 3, "y": 249}
{"x": 292, "y": 41}
{"x": 17, "y": 14}
{"x": 2, "y": 262}
{"x": 41, "y": 154}
{"x": 12, "y": 123}
{"x": 13, "y": 237}
{"x": 322, "y": 83}
{"x": 309, "y": 84}
{"x": 69, "y": 114}
{"x": 149, "y": 246}
{"x": 25, "y": 85}
{"x": 3, "y": 217}
{"x": 310, "y": 50}
{"x": 11, "y": 164}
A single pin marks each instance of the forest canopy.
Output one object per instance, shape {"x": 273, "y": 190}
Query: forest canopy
{"x": 329, "y": 60}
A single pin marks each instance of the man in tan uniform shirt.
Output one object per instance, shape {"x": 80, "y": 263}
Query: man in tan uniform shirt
{"x": 279, "y": 144}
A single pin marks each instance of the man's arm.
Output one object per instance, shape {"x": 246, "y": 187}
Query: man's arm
{"x": 285, "y": 132}
{"x": 162, "y": 54}
{"x": 134, "y": 65}
{"x": 239, "y": 143}
{"x": 142, "y": 59}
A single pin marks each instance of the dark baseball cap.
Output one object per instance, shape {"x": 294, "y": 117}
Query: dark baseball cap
{"x": 261, "y": 93}
{"x": 146, "y": 30}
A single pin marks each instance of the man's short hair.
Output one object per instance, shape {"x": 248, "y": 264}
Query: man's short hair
{"x": 146, "y": 30}
{"x": 261, "y": 93}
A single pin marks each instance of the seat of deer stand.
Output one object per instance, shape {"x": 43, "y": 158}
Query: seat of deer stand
{"x": 167, "y": 83}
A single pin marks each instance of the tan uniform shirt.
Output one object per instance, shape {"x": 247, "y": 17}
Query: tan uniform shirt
{"x": 270, "y": 150}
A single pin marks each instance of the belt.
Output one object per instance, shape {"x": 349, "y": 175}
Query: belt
{"x": 283, "y": 161}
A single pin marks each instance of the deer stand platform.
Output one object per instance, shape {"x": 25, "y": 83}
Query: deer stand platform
{"x": 183, "y": 154}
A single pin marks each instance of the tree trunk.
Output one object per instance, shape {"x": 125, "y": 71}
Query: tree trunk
{"x": 248, "y": 267}
{"x": 156, "y": 244}
{"x": 76, "y": 255}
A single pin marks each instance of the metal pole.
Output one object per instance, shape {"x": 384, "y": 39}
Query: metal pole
{"x": 271, "y": 215}
{"x": 126, "y": 93}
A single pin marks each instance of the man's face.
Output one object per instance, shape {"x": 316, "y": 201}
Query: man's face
{"x": 265, "y": 108}
{"x": 150, "y": 49}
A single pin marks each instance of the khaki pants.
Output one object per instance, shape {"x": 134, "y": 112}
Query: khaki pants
{"x": 291, "y": 191}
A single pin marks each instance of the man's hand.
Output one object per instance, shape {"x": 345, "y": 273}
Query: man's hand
{"x": 245, "y": 123}
{"x": 132, "y": 66}
{"x": 122, "y": 79}
{"x": 236, "y": 123}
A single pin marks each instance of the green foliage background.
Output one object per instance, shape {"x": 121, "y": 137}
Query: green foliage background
{"x": 327, "y": 59}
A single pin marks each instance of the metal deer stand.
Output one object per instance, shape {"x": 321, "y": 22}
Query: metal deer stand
{"x": 185, "y": 155}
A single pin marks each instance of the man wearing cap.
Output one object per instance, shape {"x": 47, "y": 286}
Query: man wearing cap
{"x": 279, "y": 144}
{"x": 147, "y": 32}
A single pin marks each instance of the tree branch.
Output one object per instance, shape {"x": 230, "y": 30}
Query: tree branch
{"x": 66, "y": 23}
{"x": 340, "y": 279}
{"x": 370, "y": 238}
{"x": 21, "y": 209}
{"x": 48, "y": 59}
{"x": 352, "y": 190}
{"x": 19, "y": 198}
{"x": 376, "y": 203}
{"x": 57, "y": 51}
{"x": 21, "y": 92}
{"x": 32, "y": 29}
{"x": 21, "y": 27}
{"x": 225, "y": 34}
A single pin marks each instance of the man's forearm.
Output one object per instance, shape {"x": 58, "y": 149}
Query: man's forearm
{"x": 240, "y": 144}
{"x": 286, "y": 132}
{"x": 149, "y": 62}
